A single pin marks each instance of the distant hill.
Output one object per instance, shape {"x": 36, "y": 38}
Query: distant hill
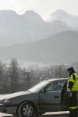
{"x": 61, "y": 48}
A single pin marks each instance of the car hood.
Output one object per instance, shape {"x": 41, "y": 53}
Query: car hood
{"x": 13, "y": 95}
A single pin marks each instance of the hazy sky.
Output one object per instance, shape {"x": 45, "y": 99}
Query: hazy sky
{"x": 43, "y": 7}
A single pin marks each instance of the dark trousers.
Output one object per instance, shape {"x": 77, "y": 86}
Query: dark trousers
{"x": 73, "y": 102}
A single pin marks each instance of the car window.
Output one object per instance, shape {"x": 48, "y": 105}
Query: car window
{"x": 56, "y": 85}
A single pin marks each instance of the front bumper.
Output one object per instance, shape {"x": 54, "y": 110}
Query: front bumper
{"x": 11, "y": 109}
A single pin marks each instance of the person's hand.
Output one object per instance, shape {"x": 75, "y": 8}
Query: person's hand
{"x": 69, "y": 92}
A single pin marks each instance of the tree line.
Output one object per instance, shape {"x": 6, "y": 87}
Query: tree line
{"x": 14, "y": 78}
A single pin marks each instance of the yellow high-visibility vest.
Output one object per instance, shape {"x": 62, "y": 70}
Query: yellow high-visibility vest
{"x": 75, "y": 81}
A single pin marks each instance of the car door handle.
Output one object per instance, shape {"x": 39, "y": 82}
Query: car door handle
{"x": 56, "y": 96}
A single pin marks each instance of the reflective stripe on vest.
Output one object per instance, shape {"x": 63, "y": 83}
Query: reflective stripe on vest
{"x": 75, "y": 107}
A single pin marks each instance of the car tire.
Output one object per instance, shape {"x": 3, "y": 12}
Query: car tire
{"x": 26, "y": 109}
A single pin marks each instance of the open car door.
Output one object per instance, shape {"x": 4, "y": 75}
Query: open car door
{"x": 51, "y": 96}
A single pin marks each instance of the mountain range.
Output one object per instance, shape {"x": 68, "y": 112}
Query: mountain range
{"x": 28, "y": 27}
{"x": 28, "y": 37}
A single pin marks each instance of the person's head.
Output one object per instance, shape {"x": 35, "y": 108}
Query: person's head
{"x": 71, "y": 70}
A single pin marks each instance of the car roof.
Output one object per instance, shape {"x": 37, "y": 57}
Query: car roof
{"x": 52, "y": 79}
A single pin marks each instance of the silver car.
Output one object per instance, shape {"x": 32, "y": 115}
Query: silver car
{"x": 46, "y": 96}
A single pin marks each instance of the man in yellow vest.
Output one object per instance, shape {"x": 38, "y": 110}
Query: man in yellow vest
{"x": 72, "y": 91}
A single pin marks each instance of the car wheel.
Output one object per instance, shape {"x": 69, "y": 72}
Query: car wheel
{"x": 26, "y": 109}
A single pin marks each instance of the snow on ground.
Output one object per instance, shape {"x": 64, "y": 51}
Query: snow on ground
{"x": 6, "y": 115}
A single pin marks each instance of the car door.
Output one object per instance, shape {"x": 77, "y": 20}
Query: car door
{"x": 50, "y": 98}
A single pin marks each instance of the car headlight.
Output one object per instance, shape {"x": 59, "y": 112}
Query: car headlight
{"x": 5, "y": 101}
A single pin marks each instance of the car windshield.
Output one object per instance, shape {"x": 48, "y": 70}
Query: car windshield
{"x": 39, "y": 86}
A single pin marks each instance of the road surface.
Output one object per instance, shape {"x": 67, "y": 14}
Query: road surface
{"x": 55, "y": 114}
{"x": 6, "y": 115}
{"x": 48, "y": 114}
